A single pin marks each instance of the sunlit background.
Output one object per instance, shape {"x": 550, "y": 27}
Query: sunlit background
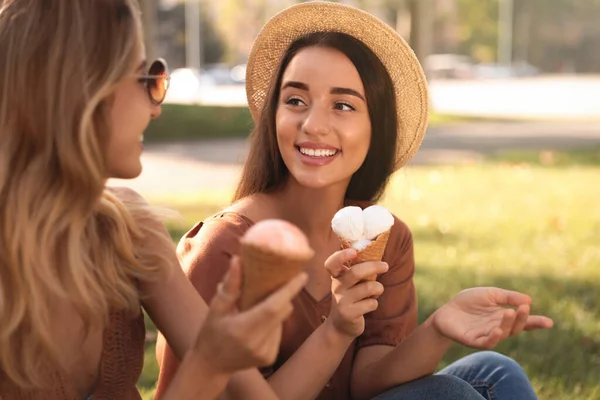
{"x": 505, "y": 190}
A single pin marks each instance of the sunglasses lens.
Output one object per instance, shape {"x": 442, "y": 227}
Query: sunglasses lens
{"x": 157, "y": 87}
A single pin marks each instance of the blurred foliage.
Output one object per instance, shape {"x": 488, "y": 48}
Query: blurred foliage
{"x": 550, "y": 158}
{"x": 172, "y": 36}
{"x": 554, "y": 35}
{"x": 185, "y": 122}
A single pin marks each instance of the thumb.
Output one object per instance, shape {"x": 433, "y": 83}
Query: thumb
{"x": 228, "y": 291}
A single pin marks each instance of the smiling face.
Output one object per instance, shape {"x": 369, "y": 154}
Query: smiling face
{"x": 322, "y": 120}
{"x": 131, "y": 112}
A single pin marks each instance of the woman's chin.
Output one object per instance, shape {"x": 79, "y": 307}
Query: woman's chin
{"x": 130, "y": 172}
{"x": 315, "y": 181}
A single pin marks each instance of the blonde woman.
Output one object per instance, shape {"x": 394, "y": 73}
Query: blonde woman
{"x": 77, "y": 260}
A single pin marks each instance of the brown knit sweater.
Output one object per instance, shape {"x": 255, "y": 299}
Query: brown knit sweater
{"x": 120, "y": 366}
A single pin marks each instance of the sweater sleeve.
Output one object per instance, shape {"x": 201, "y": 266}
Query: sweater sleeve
{"x": 204, "y": 253}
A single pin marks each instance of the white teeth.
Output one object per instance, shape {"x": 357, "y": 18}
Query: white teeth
{"x": 318, "y": 152}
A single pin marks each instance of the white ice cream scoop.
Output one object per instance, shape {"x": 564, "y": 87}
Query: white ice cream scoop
{"x": 361, "y": 244}
{"x": 377, "y": 219}
{"x": 348, "y": 223}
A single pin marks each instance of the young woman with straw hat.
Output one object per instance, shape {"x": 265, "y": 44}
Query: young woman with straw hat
{"x": 79, "y": 260}
{"x": 340, "y": 103}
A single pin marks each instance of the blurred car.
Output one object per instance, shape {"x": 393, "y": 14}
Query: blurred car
{"x": 187, "y": 83}
{"x": 518, "y": 69}
{"x": 448, "y": 66}
{"x": 220, "y": 73}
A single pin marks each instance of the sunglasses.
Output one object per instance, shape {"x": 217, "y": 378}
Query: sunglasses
{"x": 157, "y": 81}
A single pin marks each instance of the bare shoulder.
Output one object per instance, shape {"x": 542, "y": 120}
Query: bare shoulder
{"x": 257, "y": 207}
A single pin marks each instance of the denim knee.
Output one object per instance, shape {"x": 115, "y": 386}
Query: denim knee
{"x": 493, "y": 375}
{"x": 496, "y": 363}
{"x": 435, "y": 387}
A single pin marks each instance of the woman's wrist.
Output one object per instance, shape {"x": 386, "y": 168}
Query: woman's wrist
{"x": 436, "y": 334}
{"x": 197, "y": 378}
{"x": 334, "y": 337}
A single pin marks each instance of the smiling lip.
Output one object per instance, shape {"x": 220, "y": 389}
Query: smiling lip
{"x": 314, "y": 145}
{"x": 316, "y": 161}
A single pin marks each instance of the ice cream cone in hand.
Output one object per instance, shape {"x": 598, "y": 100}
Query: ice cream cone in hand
{"x": 366, "y": 230}
{"x": 273, "y": 252}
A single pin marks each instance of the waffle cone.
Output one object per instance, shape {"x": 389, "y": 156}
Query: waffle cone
{"x": 373, "y": 252}
{"x": 265, "y": 272}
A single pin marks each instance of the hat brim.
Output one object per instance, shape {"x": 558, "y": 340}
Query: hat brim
{"x": 410, "y": 85}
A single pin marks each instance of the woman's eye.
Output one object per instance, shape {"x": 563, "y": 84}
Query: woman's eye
{"x": 294, "y": 101}
{"x": 344, "y": 107}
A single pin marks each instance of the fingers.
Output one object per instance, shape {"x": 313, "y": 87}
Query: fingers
{"x": 509, "y": 297}
{"x": 278, "y": 306}
{"x": 232, "y": 283}
{"x": 359, "y": 309}
{"x": 228, "y": 290}
{"x": 335, "y": 263}
{"x": 508, "y": 318}
{"x": 520, "y": 320}
{"x": 538, "y": 322}
{"x": 287, "y": 293}
{"x": 360, "y": 291}
{"x": 490, "y": 340}
{"x": 361, "y": 272}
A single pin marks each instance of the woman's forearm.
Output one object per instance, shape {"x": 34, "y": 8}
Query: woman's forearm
{"x": 196, "y": 380}
{"x": 304, "y": 375}
{"x": 417, "y": 356}
{"x": 248, "y": 385}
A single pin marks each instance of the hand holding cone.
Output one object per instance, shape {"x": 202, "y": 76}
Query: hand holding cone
{"x": 365, "y": 230}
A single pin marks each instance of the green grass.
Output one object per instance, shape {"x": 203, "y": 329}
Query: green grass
{"x": 551, "y": 158}
{"x": 515, "y": 224}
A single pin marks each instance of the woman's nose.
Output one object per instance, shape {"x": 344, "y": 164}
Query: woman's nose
{"x": 317, "y": 121}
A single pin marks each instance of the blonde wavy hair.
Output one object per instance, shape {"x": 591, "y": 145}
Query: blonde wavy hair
{"x": 63, "y": 235}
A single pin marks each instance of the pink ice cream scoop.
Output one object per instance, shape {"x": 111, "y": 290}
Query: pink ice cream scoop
{"x": 278, "y": 237}
{"x": 273, "y": 252}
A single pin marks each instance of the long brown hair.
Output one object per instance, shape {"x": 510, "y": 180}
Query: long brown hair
{"x": 63, "y": 236}
{"x": 264, "y": 170}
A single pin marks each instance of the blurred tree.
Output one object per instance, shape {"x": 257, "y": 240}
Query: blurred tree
{"x": 560, "y": 35}
{"x": 149, "y": 14}
{"x": 478, "y": 29}
{"x": 171, "y": 22}
{"x": 239, "y": 22}
{"x": 555, "y": 35}
{"x": 422, "y": 14}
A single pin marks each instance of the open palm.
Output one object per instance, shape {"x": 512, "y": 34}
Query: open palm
{"x": 482, "y": 317}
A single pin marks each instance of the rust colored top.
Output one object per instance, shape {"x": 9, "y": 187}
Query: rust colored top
{"x": 205, "y": 252}
{"x": 120, "y": 366}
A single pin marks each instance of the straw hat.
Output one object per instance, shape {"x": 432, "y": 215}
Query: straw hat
{"x": 400, "y": 61}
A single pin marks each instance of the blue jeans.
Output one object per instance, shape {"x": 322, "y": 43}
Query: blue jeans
{"x": 482, "y": 375}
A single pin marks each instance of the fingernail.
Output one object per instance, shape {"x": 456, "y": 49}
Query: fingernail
{"x": 386, "y": 266}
